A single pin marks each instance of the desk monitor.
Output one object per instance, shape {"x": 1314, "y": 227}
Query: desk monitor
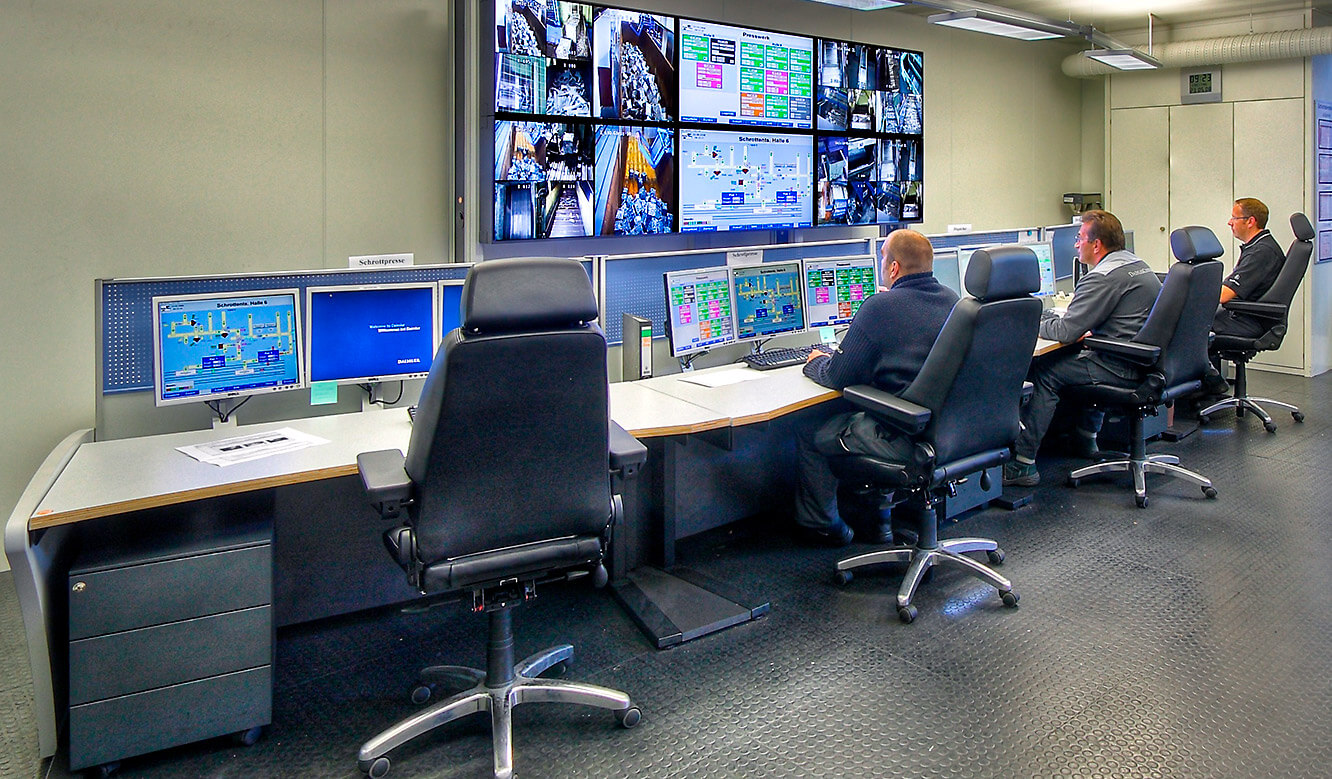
{"x": 450, "y": 306}
{"x": 1045, "y": 261}
{"x": 1062, "y": 238}
{"x": 946, "y": 270}
{"x": 834, "y": 289}
{"x": 226, "y": 345}
{"x": 1128, "y": 241}
{"x": 767, "y": 299}
{"x": 698, "y": 310}
{"x": 371, "y": 333}
{"x": 963, "y": 259}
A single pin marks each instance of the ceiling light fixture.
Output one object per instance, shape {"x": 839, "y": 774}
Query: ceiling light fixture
{"x": 862, "y": 5}
{"x": 1007, "y": 26}
{"x": 1123, "y": 59}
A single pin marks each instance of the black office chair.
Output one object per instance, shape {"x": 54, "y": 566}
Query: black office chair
{"x": 1171, "y": 349}
{"x": 1273, "y": 308}
{"x": 961, "y": 414}
{"x": 507, "y": 482}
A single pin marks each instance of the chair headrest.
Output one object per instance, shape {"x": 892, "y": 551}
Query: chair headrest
{"x": 1195, "y": 244}
{"x": 1299, "y": 224}
{"x": 1003, "y": 272}
{"x": 526, "y": 293}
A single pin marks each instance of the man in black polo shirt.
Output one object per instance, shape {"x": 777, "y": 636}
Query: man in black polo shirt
{"x": 1260, "y": 261}
{"x": 885, "y": 346}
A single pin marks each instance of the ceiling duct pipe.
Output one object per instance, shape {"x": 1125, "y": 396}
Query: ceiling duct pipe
{"x": 1256, "y": 47}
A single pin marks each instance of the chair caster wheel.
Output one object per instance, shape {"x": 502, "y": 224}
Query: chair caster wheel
{"x": 628, "y": 718}
{"x": 1269, "y": 427}
{"x": 995, "y": 556}
{"x": 103, "y": 771}
{"x": 375, "y": 769}
{"x": 1009, "y": 598}
{"x": 843, "y": 577}
{"x": 421, "y": 693}
{"x": 1204, "y": 418}
{"x": 1072, "y": 482}
{"x": 1141, "y": 500}
{"x": 1210, "y": 492}
{"x": 907, "y": 614}
{"x": 248, "y": 738}
{"x": 1298, "y": 416}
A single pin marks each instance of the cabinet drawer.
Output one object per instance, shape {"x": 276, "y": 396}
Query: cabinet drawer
{"x": 131, "y": 725}
{"x": 145, "y": 658}
{"x": 135, "y": 596}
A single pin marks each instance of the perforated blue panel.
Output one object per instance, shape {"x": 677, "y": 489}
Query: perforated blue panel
{"x": 973, "y": 239}
{"x": 634, "y": 285}
{"x": 127, "y": 328}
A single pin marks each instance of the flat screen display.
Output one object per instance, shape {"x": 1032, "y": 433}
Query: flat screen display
{"x": 633, "y": 61}
{"x": 1062, "y": 238}
{"x": 946, "y": 270}
{"x": 1045, "y": 261}
{"x": 745, "y": 180}
{"x": 635, "y": 181}
{"x": 698, "y": 310}
{"x": 870, "y": 89}
{"x": 543, "y": 180}
{"x": 450, "y": 306}
{"x": 212, "y": 346}
{"x": 371, "y": 333}
{"x": 834, "y": 289}
{"x": 737, "y": 75}
{"x": 543, "y": 58}
{"x": 768, "y": 299}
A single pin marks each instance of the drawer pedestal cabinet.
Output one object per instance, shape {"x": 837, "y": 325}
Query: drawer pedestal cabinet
{"x": 170, "y": 638}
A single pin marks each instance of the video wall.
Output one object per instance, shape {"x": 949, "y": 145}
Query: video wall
{"x": 618, "y": 122}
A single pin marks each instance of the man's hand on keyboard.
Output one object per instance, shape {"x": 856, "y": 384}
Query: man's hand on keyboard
{"x": 817, "y": 351}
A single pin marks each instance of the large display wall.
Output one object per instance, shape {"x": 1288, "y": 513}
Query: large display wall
{"x": 616, "y": 122}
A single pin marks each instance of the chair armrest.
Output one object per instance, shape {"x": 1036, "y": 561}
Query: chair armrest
{"x": 886, "y": 407}
{"x": 385, "y": 479}
{"x": 1274, "y": 311}
{"x": 626, "y": 452}
{"x": 1143, "y": 354}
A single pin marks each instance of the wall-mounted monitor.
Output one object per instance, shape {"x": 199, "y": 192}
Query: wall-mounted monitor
{"x": 371, "y": 333}
{"x": 749, "y": 180}
{"x": 871, "y": 89}
{"x": 633, "y": 62}
{"x": 835, "y": 288}
{"x": 450, "y": 306}
{"x": 225, "y": 345}
{"x": 543, "y": 58}
{"x": 543, "y": 180}
{"x": 635, "y": 183}
{"x": 698, "y": 310}
{"x": 739, "y": 75}
{"x": 768, "y": 299}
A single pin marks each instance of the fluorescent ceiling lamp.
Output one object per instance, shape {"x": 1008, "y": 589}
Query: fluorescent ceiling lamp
{"x": 1007, "y": 26}
{"x": 862, "y": 5}
{"x": 1124, "y": 59}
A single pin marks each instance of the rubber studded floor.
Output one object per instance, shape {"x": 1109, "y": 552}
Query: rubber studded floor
{"x": 1192, "y": 638}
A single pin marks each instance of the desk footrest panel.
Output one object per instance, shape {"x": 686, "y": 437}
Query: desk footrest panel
{"x": 130, "y": 725}
{"x": 147, "y": 658}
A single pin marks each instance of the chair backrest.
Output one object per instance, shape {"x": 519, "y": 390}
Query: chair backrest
{"x": 972, "y": 379}
{"x": 1297, "y": 262}
{"x": 1181, "y": 318}
{"x": 510, "y": 441}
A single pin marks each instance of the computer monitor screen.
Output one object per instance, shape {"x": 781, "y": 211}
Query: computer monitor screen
{"x": 450, "y": 306}
{"x": 1062, "y": 238}
{"x": 226, "y": 344}
{"x": 745, "y": 181}
{"x": 767, "y": 299}
{"x": 963, "y": 258}
{"x": 947, "y": 270}
{"x": 738, "y": 75}
{"x": 834, "y": 289}
{"x": 1045, "y": 261}
{"x": 383, "y": 332}
{"x": 698, "y": 310}
{"x": 633, "y": 56}
{"x": 1128, "y": 241}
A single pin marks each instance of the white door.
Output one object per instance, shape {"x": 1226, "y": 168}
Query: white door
{"x": 1140, "y": 179}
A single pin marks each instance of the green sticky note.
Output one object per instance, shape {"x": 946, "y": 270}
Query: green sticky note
{"x": 323, "y": 392}
{"x": 828, "y": 335}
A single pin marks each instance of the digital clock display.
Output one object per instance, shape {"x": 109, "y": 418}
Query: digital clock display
{"x": 1200, "y": 83}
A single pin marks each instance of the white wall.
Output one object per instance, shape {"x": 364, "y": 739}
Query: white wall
{"x": 154, "y": 137}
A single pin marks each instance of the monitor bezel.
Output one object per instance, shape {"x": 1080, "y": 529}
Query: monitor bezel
{"x": 435, "y": 315}
{"x": 699, "y": 348}
{"x": 735, "y": 313}
{"x": 442, "y": 283}
{"x": 804, "y": 272}
{"x": 302, "y": 377}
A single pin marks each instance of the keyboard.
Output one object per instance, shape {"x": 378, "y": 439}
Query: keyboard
{"x": 768, "y": 359}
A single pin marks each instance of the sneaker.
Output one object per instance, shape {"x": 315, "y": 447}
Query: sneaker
{"x": 1021, "y": 474}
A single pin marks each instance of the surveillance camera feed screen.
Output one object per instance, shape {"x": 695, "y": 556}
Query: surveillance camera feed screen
{"x": 772, "y": 131}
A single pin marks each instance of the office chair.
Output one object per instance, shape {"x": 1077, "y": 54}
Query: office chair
{"x": 507, "y": 483}
{"x": 1171, "y": 349}
{"x": 1273, "y": 308}
{"x": 961, "y": 416}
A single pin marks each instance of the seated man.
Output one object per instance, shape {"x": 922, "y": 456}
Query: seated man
{"x": 1112, "y": 299}
{"x": 1256, "y": 270}
{"x": 885, "y": 346}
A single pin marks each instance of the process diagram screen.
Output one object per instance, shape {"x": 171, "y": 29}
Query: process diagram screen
{"x": 734, "y": 75}
{"x": 745, "y": 181}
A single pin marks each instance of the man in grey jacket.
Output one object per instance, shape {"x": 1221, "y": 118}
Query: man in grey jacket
{"x": 1112, "y": 299}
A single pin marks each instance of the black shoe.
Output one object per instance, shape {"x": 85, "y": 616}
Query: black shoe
{"x": 879, "y": 535}
{"x": 1215, "y": 384}
{"x": 1084, "y": 446}
{"x": 836, "y": 535}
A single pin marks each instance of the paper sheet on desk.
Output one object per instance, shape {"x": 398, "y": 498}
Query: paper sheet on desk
{"x": 244, "y": 448}
{"x": 723, "y": 378}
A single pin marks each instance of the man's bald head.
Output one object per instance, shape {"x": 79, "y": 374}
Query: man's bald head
{"x": 910, "y": 250}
